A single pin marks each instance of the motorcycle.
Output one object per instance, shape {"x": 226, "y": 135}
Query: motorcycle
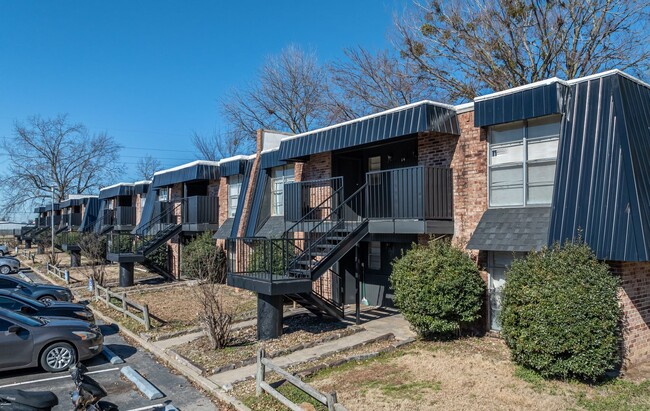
{"x": 19, "y": 400}
{"x": 88, "y": 392}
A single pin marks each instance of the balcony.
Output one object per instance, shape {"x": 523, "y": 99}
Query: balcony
{"x": 68, "y": 241}
{"x": 411, "y": 200}
{"x": 71, "y": 220}
{"x": 200, "y": 213}
{"x": 57, "y": 221}
{"x": 121, "y": 218}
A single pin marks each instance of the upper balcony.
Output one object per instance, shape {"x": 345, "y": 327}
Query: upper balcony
{"x": 410, "y": 200}
{"x": 200, "y": 213}
{"x": 121, "y": 218}
{"x": 71, "y": 220}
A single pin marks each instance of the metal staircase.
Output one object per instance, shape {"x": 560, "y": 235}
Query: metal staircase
{"x": 305, "y": 255}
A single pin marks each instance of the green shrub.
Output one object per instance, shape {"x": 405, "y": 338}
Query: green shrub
{"x": 561, "y": 314}
{"x": 438, "y": 288}
{"x": 202, "y": 259}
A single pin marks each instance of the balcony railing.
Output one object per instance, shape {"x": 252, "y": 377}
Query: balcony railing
{"x": 72, "y": 220}
{"x": 312, "y": 199}
{"x": 418, "y": 193}
{"x": 124, "y": 216}
{"x": 57, "y": 220}
{"x": 201, "y": 210}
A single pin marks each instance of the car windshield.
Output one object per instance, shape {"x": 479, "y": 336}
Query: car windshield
{"x": 23, "y": 319}
{"x": 29, "y": 301}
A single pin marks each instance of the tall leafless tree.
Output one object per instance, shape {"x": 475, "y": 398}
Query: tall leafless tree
{"x": 220, "y": 145}
{"x": 55, "y": 151}
{"x": 147, "y": 166}
{"x": 469, "y": 47}
{"x": 289, "y": 94}
{"x": 366, "y": 83}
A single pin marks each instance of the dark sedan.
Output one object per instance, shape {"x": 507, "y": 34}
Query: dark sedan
{"x": 41, "y": 292}
{"x": 18, "y": 302}
{"x": 54, "y": 344}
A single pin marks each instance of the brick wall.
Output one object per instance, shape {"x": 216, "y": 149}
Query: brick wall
{"x": 223, "y": 200}
{"x": 138, "y": 207}
{"x": 467, "y": 156}
{"x": 635, "y": 300}
{"x": 248, "y": 199}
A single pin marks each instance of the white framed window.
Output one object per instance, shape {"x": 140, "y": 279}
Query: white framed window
{"x": 374, "y": 255}
{"x": 163, "y": 195}
{"x": 234, "y": 188}
{"x": 279, "y": 177}
{"x": 521, "y": 158}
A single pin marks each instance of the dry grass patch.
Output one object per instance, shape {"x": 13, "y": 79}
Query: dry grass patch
{"x": 457, "y": 375}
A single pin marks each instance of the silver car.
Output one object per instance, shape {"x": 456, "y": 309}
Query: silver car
{"x": 4, "y": 250}
{"x": 9, "y": 265}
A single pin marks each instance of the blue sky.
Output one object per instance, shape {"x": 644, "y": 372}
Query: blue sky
{"x": 151, "y": 72}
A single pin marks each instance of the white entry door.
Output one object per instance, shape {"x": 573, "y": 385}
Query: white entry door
{"x": 498, "y": 263}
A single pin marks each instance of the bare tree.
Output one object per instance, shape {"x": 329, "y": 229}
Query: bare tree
{"x": 367, "y": 83}
{"x": 469, "y": 47}
{"x": 147, "y": 166}
{"x": 93, "y": 247}
{"x": 289, "y": 94}
{"x": 55, "y": 151}
{"x": 220, "y": 145}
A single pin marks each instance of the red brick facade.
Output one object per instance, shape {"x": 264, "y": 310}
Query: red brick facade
{"x": 635, "y": 300}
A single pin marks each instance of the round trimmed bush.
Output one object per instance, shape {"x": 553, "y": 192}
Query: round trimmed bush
{"x": 561, "y": 315}
{"x": 438, "y": 288}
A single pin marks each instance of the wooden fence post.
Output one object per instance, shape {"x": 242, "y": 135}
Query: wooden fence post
{"x": 124, "y": 307}
{"x": 331, "y": 400}
{"x": 145, "y": 316}
{"x": 261, "y": 371}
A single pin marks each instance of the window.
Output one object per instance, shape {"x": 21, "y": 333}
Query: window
{"x": 374, "y": 164}
{"x": 374, "y": 255}
{"x": 7, "y": 284}
{"x": 234, "y": 187}
{"x": 4, "y": 325}
{"x": 163, "y": 195}
{"x": 522, "y": 158}
{"x": 279, "y": 177}
{"x": 9, "y": 304}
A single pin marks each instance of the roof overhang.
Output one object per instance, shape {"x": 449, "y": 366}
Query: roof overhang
{"x": 196, "y": 170}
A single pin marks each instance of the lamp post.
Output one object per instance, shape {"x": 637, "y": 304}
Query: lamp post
{"x": 52, "y": 224}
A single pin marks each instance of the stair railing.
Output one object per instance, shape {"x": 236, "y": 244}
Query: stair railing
{"x": 169, "y": 218}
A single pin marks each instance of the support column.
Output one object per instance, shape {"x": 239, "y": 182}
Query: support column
{"x": 28, "y": 244}
{"x": 269, "y": 316}
{"x": 75, "y": 258}
{"x": 126, "y": 274}
{"x": 40, "y": 248}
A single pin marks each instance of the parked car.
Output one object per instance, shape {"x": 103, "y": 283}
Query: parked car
{"x": 40, "y": 292}
{"x": 54, "y": 344}
{"x": 15, "y": 301}
{"x": 4, "y": 250}
{"x": 9, "y": 265}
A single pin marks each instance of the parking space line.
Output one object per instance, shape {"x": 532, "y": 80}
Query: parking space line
{"x": 148, "y": 407}
{"x": 61, "y": 377}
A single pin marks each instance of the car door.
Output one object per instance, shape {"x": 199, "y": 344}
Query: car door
{"x": 9, "y": 303}
{"x": 16, "y": 348}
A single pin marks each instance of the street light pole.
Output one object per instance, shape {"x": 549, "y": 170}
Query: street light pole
{"x": 52, "y": 224}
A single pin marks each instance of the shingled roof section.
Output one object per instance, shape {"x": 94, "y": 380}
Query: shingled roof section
{"x": 512, "y": 229}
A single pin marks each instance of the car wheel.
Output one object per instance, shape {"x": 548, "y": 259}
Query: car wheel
{"x": 46, "y": 299}
{"x": 58, "y": 357}
{"x": 5, "y": 269}
{"x": 2, "y": 253}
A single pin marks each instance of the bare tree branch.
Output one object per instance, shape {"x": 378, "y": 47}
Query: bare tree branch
{"x": 470, "y": 47}
{"x": 56, "y": 152}
{"x": 220, "y": 145}
{"x": 147, "y": 166}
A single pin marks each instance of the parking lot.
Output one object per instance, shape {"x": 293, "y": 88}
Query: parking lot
{"x": 177, "y": 391}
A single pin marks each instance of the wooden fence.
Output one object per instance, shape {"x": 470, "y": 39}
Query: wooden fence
{"x": 106, "y": 295}
{"x": 29, "y": 254}
{"x": 62, "y": 274}
{"x": 260, "y": 385}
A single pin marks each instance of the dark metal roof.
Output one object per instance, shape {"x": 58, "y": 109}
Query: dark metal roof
{"x": 519, "y": 105}
{"x": 258, "y": 213}
{"x": 233, "y": 167}
{"x": 511, "y": 229}
{"x": 141, "y": 187}
{"x": 91, "y": 212}
{"x": 224, "y": 230}
{"x": 48, "y": 208}
{"x": 73, "y": 202}
{"x": 602, "y": 181}
{"x": 272, "y": 228}
{"x": 191, "y": 172}
{"x": 411, "y": 119}
{"x": 271, "y": 159}
{"x": 37, "y": 210}
{"x": 242, "y": 197}
{"x": 116, "y": 190}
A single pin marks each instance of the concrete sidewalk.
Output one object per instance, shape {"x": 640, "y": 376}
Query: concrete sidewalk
{"x": 375, "y": 322}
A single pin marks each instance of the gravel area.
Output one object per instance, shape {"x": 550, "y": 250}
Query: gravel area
{"x": 299, "y": 331}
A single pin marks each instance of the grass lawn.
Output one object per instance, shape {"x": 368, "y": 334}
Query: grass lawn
{"x": 471, "y": 373}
